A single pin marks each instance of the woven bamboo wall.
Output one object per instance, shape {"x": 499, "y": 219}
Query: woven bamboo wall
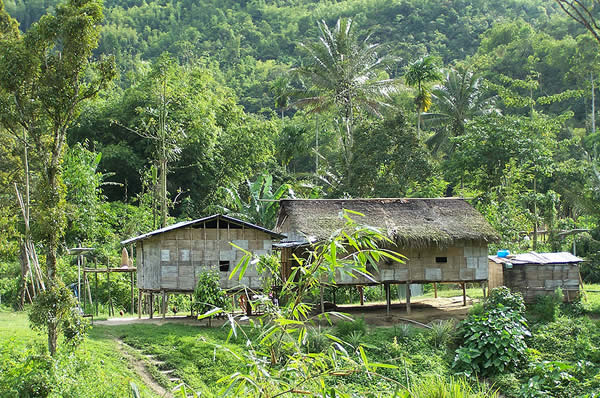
{"x": 173, "y": 260}
{"x": 466, "y": 261}
{"x": 533, "y": 280}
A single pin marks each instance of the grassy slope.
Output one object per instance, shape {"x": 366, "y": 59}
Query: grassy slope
{"x": 196, "y": 353}
{"x": 98, "y": 369}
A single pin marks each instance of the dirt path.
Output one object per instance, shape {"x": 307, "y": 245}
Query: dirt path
{"x": 140, "y": 369}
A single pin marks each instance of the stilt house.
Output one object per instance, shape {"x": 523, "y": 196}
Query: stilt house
{"x": 169, "y": 260}
{"x": 444, "y": 240}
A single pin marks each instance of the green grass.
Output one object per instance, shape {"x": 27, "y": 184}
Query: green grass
{"x": 445, "y": 291}
{"x": 197, "y": 353}
{"x": 96, "y": 369}
{"x": 591, "y": 301}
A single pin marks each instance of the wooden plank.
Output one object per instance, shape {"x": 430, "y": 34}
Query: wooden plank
{"x": 388, "y": 298}
{"x": 408, "y": 309}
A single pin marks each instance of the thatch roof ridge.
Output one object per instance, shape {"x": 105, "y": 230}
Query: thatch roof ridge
{"x": 409, "y": 221}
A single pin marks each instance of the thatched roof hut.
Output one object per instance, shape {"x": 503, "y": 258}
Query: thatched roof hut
{"x": 409, "y": 222}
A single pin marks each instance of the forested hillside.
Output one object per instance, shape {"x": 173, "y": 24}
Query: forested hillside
{"x": 224, "y": 81}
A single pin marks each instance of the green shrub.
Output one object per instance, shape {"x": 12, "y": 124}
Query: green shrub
{"x": 494, "y": 342}
{"x": 548, "y": 379}
{"x": 441, "y": 332}
{"x": 568, "y": 339}
{"x": 502, "y": 296}
{"x": 477, "y": 309}
{"x": 345, "y": 328}
{"x": 208, "y": 294}
{"x": 547, "y": 308}
{"x": 355, "y": 338}
{"x": 404, "y": 331}
{"x": 317, "y": 341}
{"x": 56, "y": 305}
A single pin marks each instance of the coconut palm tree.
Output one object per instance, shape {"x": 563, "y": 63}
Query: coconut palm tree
{"x": 458, "y": 99}
{"x": 420, "y": 74}
{"x": 342, "y": 76}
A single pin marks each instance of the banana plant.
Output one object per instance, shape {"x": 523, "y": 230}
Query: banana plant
{"x": 256, "y": 202}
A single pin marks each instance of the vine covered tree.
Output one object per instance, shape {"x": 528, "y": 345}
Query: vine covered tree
{"x": 46, "y": 75}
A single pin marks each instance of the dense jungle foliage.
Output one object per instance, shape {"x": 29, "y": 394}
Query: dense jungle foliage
{"x": 509, "y": 122}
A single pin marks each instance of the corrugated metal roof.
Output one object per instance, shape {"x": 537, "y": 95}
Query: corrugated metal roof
{"x": 202, "y": 220}
{"x": 537, "y": 258}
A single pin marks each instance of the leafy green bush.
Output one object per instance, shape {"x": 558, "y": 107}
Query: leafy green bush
{"x": 502, "y": 296}
{"x": 477, "y": 309}
{"x": 56, "y": 305}
{"x": 568, "y": 339}
{"x": 345, "y": 328}
{"x": 25, "y": 374}
{"x": 10, "y": 276}
{"x": 548, "y": 379}
{"x": 547, "y": 308}
{"x": 208, "y": 294}
{"x": 493, "y": 342}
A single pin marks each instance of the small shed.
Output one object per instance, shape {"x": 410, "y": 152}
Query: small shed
{"x": 169, "y": 260}
{"x": 444, "y": 240}
{"x": 537, "y": 274}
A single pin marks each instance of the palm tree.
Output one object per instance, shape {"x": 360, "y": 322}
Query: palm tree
{"x": 281, "y": 90}
{"x": 419, "y": 74}
{"x": 460, "y": 98}
{"x": 342, "y": 76}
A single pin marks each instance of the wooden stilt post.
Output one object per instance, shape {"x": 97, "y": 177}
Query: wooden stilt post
{"x": 96, "y": 290}
{"x": 192, "y": 306}
{"x": 110, "y": 306}
{"x": 139, "y": 303}
{"x": 151, "y": 305}
{"x": 435, "y": 290}
{"x": 361, "y": 292}
{"x": 248, "y": 305}
{"x": 84, "y": 298}
{"x": 483, "y": 288}
{"x": 408, "y": 309}
{"x": 89, "y": 292}
{"x": 464, "y": 289}
{"x": 132, "y": 298}
{"x": 388, "y": 298}
{"x": 164, "y": 304}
